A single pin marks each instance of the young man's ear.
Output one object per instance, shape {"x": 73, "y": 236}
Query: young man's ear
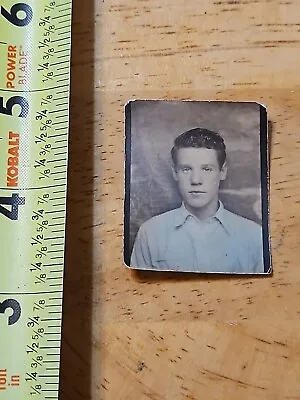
{"x": 224, "y": 171}
{"x": 174, "y": 172}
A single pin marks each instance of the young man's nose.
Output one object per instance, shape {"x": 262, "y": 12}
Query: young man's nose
{"x": 196, "y": 178}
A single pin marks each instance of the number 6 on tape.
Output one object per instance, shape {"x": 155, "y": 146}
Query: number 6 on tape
{"x": 12, "y": 17}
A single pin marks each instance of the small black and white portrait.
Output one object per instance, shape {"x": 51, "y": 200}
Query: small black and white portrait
{"x": 196, "y": 187}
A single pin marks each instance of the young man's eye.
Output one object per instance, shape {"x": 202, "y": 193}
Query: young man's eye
{"x": 186, "y": 169}
{"x": 207, "y": 169}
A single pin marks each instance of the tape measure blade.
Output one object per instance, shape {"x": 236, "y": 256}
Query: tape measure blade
{"x": 34, "y": 114}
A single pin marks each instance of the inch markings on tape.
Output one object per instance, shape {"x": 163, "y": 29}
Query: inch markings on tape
{"x": 35, "y": 46}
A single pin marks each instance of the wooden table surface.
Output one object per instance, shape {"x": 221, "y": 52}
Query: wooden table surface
{"x": 135, "y": 336}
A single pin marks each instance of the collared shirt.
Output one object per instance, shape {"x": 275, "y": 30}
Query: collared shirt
{"x": 177, "y": 240}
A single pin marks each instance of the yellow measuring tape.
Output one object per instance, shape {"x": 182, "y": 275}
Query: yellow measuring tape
{"x": 35, "y": 42}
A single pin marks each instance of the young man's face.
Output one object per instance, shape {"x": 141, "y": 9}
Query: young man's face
{"x": 198, "y": 175}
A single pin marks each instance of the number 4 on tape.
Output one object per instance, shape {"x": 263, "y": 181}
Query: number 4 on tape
{"x": 14, "y": 202}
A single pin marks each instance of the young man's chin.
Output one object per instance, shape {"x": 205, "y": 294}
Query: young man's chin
{"x": 197, "y": 203}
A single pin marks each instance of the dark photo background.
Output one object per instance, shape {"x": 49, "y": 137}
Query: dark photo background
{"x": 150, "y": 132}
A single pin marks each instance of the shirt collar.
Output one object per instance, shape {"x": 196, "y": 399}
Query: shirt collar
{"x": 184, "y": 214}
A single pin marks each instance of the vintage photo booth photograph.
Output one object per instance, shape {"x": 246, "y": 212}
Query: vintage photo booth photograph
{"x": 196, "y": 187}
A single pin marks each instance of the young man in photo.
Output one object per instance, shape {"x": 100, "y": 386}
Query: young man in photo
{"x": 201, "y": 235}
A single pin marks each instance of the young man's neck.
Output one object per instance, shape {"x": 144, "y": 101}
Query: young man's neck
{"x": 205, "y": 212}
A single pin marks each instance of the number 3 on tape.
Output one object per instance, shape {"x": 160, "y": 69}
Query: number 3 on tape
{"x": 14, "y": 305}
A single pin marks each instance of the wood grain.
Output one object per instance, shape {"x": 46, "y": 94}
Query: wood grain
{"x": 129, "y": 335}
